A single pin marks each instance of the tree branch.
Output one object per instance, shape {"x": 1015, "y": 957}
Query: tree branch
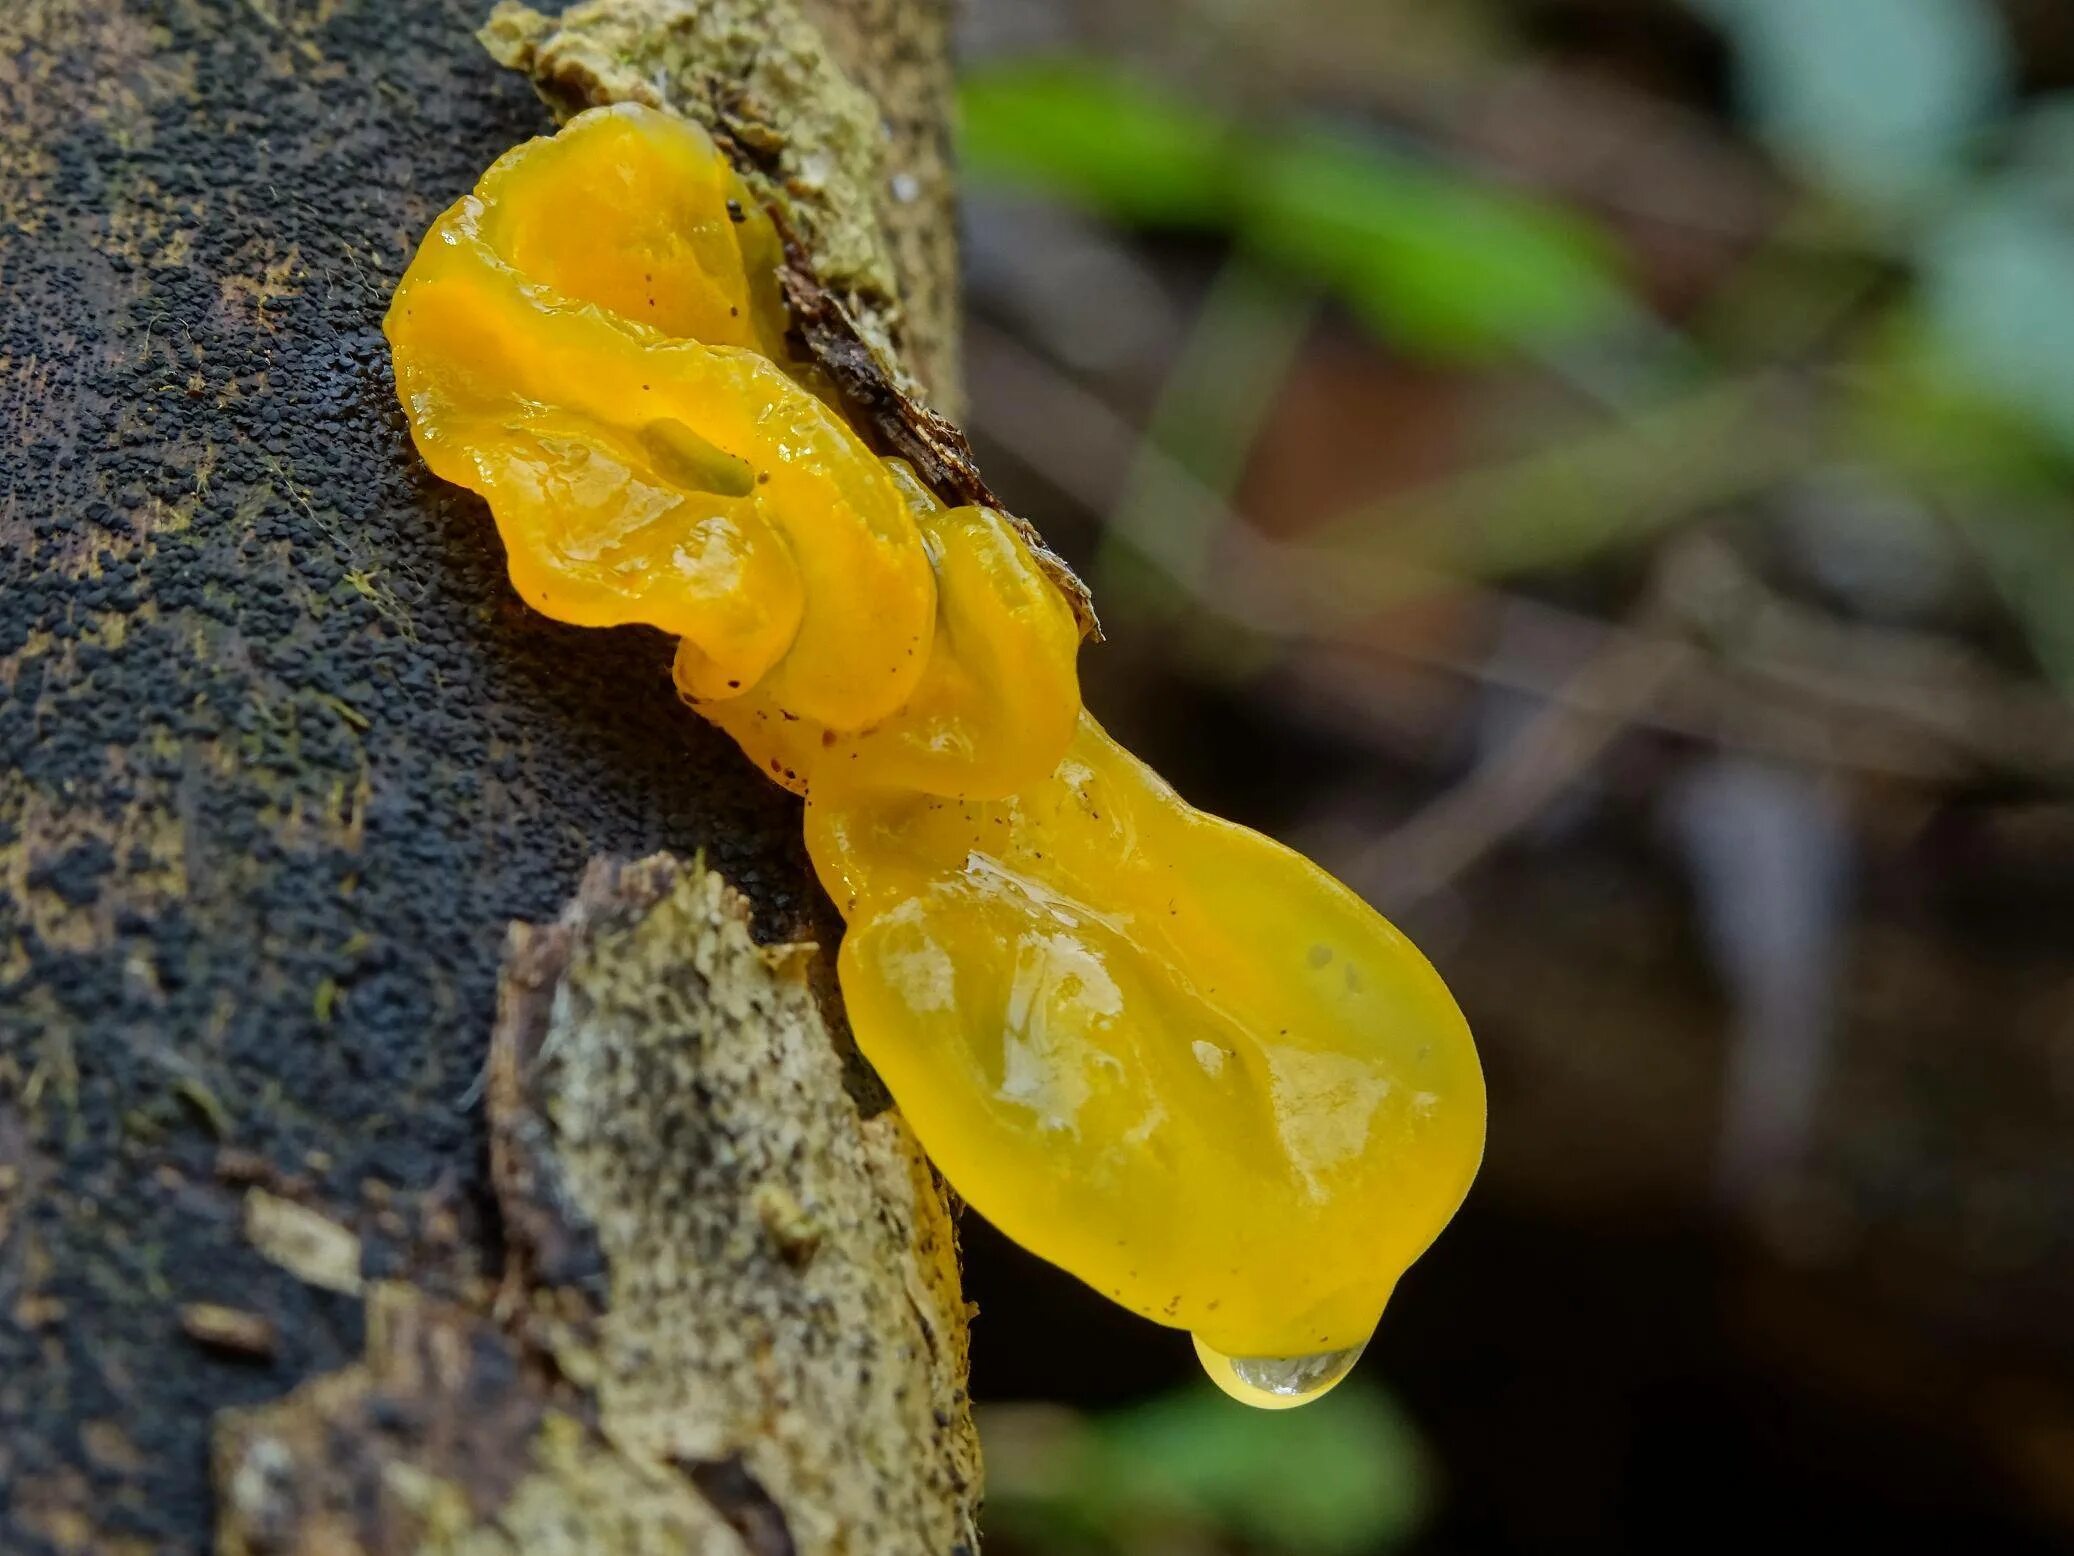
{"x": 281, "y": 757}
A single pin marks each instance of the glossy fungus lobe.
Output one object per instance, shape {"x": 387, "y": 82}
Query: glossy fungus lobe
{"x": 1162, "y": 1051}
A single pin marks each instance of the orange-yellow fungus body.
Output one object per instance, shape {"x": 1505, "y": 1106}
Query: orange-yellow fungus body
{"x": 637, "y": 213}
{"x": 1268, "y": 1101}
{"x": 642, "y": 477}
{"x": 997, "y": 699}
{"x": 1160, "y": 1050}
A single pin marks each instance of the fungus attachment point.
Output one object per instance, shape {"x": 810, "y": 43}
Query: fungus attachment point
{"x": 1168, "y": 1054}
{"x": 1277, "y": 1382}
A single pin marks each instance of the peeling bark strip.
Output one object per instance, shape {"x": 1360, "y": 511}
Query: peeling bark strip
{"x": 730, "y": 1321}
{"x": 898, "y": 423}
{"x": 781, "y": 1281}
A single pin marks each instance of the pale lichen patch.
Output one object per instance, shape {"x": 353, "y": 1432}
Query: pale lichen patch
{"x": 771, "y": 1261}
{"x": 309, "y": 1245}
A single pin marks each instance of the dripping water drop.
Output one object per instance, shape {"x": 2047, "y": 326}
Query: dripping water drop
{"x": 1277, "y": 1382}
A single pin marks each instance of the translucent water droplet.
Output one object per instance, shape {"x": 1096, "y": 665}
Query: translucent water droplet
{"x": 1277, "y": 1382}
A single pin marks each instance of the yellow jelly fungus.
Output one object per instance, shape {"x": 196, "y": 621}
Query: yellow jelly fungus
{"x": 1258, "y": 1084}
{"x": 997, "y": 699}
{"x": 1160, "y": 1050}
{"x": 640, "y": 476}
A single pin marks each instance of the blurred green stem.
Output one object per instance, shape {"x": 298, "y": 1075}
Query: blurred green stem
{"x": 2028, "y": 554}
{"x": 1562, "y": 504}
{"x": 1812, "y": 274}
{"x": 1223, "y": 383}
{"x": 1617, "y": 483}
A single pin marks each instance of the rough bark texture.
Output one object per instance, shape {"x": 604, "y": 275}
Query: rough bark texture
{"x": 712, "y": 1259}
{"x": 281, "y": 757}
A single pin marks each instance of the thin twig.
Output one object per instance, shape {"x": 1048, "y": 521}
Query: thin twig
{"x": 1562, "y": 741}
{"x": 1781, "y": 681}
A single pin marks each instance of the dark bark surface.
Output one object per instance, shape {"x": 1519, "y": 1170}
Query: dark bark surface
{"x": 281, "y": 754}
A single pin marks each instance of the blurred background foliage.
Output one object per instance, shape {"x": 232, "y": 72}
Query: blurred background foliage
{"x": 1597, "y": 474}
{"x": 1187, "y": 1473}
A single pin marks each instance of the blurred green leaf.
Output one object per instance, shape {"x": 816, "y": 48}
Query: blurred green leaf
{"x": 2042, "y": 147}
{"x": 1438, "y": 262}
{"x": 1433, "y": 261}
{"x": 1347, "y": 1474}
{"x": 1339, "y": 1476}
{"x": 1877, "y": 98}
{"x": 1912, "y": 410}
{"x": 1098, "y": 136}
{"x": 1998, "y": 281}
